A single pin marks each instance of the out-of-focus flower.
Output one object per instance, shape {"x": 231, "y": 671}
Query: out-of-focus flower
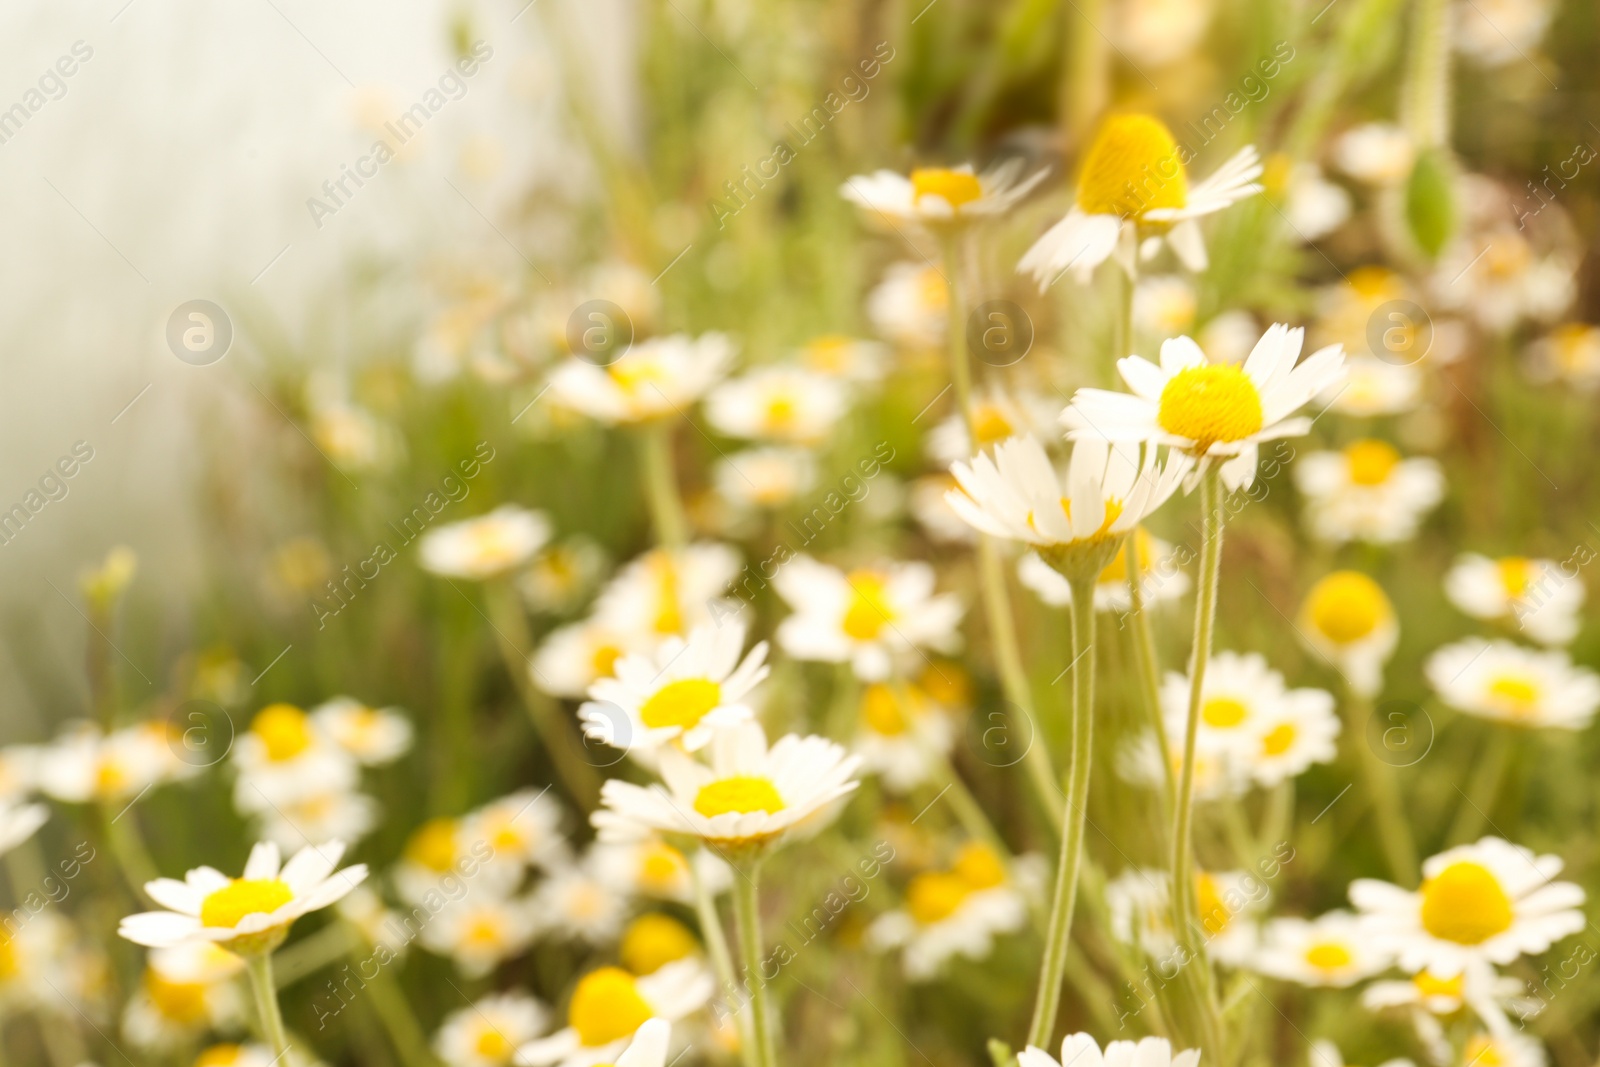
{"x": 481, "y": 930}
{"x": 652, "y": 379}
{"x": 1570, "y": 353}
{"x": 997, "y": 415}
{"x": 1488, "y": 902}
{"x": 1132, "y": 195}
{"x": 1081, "y": 1050}
{"x": 682, "y": 694}
{"x": 1539, "y": 594}
{"x": 1348, "y": 620}
{"x": 18, "y": 822}
{"x": 1157, "y": 32}
{"x": 228, "y": 1054}
{"x": 654, "y": 940}
{"x": 610, "y": 1008}
{"x": 317, "y": 816}
{"x": 870, "y": 617}
{"x": 1225, "y": 902}
{"x": 941, "y": 197}
{"x": 1214, "y": 412}
{"x": 649, "y": 867}
{"x": 902, "y": 736}
{"x": 1374, "y": 387}
{"x": 561, "y": 574}
{"x": 249, "y": 914}
{"x": 1515, "y": 685}
{"x": 782, "y": 404}
{"x": 1367, "y": 492}
{"x": 374, "y": 736}
{"x": 955, "y": 912}
{"x": 486, "y": 546}
{"x": 1160, "y": 578}
{"x": 1229, "y": 337}
{"x": 1327, "y": 1054}
{"x": 910, "y": 306}
{"x": 352, "y": 437}
{"x": 929, "y": 506}
{"x": 1377, "y": 153}
{"x": 489, "y": 1032}
{"x": 83, "y": 765}
{"x": 580, "y": 902}
{"x": 285, "y": 755}
{"x": 1314, "y": 206}
{"x": 765, "y": 477}
{"x": 1330, "y": 950}
{"x": 186, "y": 990}
{"x": 1164, "y": 306}
{"x": 572, "y": 657}
{"x": 667, "y": 592}
{"x": 749, "y": 799}
{"x": 1497, "y": 32}
{"x": 522, "y": 829}
{"x": 1496, "y": 274}
{"x": 846, "y": 358}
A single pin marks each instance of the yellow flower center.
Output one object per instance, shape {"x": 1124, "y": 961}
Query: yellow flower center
{"x": 1278, "y": 739}
{"x": 1374, "y": 285}
{"x": 781, "y": 411}
{"x": 989, "y": 424}
{"x": 1482, "y": 1051}
{"x": 652, "y": 941}
{"x": 1113, "y": 513}
{"x": 869, "y": 609}
{"x": 828, "y": 353}
{"x": 284, "y": 730}
{"x": 240, "y": 897}
{"x": 181, "y": 1002}
{"x": 1347, "y": 606}
{"x": 1214, "y": 913}
{"x": 978, "y": 866}
{"x": 1574, "y": 345}
{"x": 490, "y": 543}
{"x": 1329, "y": 956}
{"x": 946, "y": 683}
{"x": 224, "y": 1055}
{"x": 1117, "y": 570}
{"x": 935, "y": 895}
{"x": 682, "y": 703}
{"x": 1132, "y": 167}
{"x": 1224, "y": 713}
{"x": 661, "y": 867}
{"x": 604, "y": 658}
{"x": 606, "y": 1007}
{"x": 955, "y": 187}
{"x": 8, "y": 958}
{"x": 433, "y": 845}
{"x": 484, "y": 930}
{"x": 1217, "y": 402}
{"x": 1518, "y": 694}
{"x": 110, "y": 778}
{"x": 1430, "y": 986}
{"x": 1516, "y": 574}
{"x": 492, "y": 1045}
{"x": 1371, "y": 462}
{"x": 632, "y": 375}
{"x": 1465, "y": 904}
{"x": 669, "y": 613}
{"x": 741, "y": 793}
{"x": 1507, "y": 257}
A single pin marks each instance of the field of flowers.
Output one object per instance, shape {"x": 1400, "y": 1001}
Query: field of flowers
{"x": 988, "y": 534}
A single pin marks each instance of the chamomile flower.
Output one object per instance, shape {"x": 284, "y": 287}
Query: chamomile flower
{"x": 1075, "y": 523}
{"x": 1377, "y": 153}
{"x": 185, "y": 990}
{"x": 573, "y": 657}
{"x": 1157, "y": 32}
{"x": 1133, "y": 192}
{"x": 229, "y": 1054}
{"x": 849, "y": 359}
{"x": 749, "y": 799}
{"x": 1225, "y": 905}
{"x": 649, "y": 867}
{"x": 997, "y": 415}
{"x": 682, "y": 693}
{"x": 1374, "y": 387}
{"x": 788, "y": 405}
{"x": 665, "y": 592}
{"x": 285, "y": 755}
{"x": 1538, "y": 594}
{"x": 579, "y": 902}
{"x": 1164, "y": 305}
{"x": 1348, "y": 620}
{"x": 1242, "y": 702}
{"x": 1213, "y": 412}
{"x": 1570, "y": 353}
{"x": 489, "y": 1032}
{"x": 1426, "y": 995}
{"x": 1138, "y": 762}
{"x": 1160, "y": 579}
{"x": 480, "y": 930}
{"x": 486, "y": 546}
{"x": 249, "y": 914}
{"x": 765, "y": 478}
{"x": 441, "y": 853}
{"x": 1367, "y": 492}
{"x": 1488, "y": 902}
{"x": 1081, "y": 1050}
{"x": 315, "y": 816}
{"x": 559, "y": 576}
{"x": 1515, "y": 685}
{"x": 1314, "y": 207}
{"x": 652, "y": 379}
{"x": 1499, "y": 276}
{"x": 654, "y": 940}
{"x": 955, "y": 912}
{"x": 83, "y": 765}
{"x": 1496, "y": 32}
{"x": 374, "y": 736}
{"x": 1298, "y": 732}
{"x": 871, "y": 617}
{"x": 903, "y": 735}
{"x": 940, "y": 197}
{"x": 523, "y": 829}
{"x": 1331, "y": 950}
{"x": 910, "y": 306}
{"x": 611, "y": 1008}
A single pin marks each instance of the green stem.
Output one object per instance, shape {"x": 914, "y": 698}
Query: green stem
{"x": 259, "y": 967}
{"x": 1394, "y": 831}
{"x": 705, "y": 907}
{"x": 1057, "y": 938}
{"x": 1144, "y": 655}
{"x": 747, "y": 910}
{"x": 1427, "y": 89}
{"x": 1486, "y": 783}
{"x": 394, "y": 1012}
{"x": 128, "y": 849}
{"x": 661, "y": 486}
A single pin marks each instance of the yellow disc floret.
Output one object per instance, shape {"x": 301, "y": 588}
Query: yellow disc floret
{"x": 1210, "y": 404}
{"x": 1517, "y": 694}
{"x": 881, "y": 710}
{"x": 433, "y": 845}
{"x": 954, "y": 187}
{"x": 606, "y": 1007}
{"x": 1224, "y": 713}
{"x": 979, "y": 866}
{"x": 1215, "y": 915}
{"x": 1371, "y": 462}
{"x": 1516, "y": 574}
{"x": 682, "y": 703}
{"x": 1279, "y": 739}
{"x": 493, "y": 1046}
{"x": 740, "y": 793}
{"x": 284, "y": 730}
{"x": 1329, "y": 956}
{"x": 1465, "y": 903}
{"x": 1132, "y": 167}
{"x": 935, "y": 895}
{"x": 654, "y": 940}
{"x": 243, "y": 896}
{"x": 869, "y": 609}
{"x": 1347, "y": 606}
{"x": 181, "y": 1002}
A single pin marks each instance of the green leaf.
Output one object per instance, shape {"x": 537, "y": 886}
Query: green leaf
{"x": 1431, "y": 201}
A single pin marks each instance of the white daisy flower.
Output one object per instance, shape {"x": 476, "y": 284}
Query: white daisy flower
{"x": 249, "y": 914}
{"x": 374, "y": 736}
{"x": 228, "y": 1054}
{"x": 1374, "y": 387}
{"x": 649, "y": 867}
{"x": 284, "y": 756}
{"x": 902, "y": 735}
{"x": 910, "y": 306}
{"x": 655, "y": 378}
{"x": 1500, "y": 278}
{"x": 186, "y": 989}
{"x": 1488, "y": 902}
{"x": 951, "y": 913}
{"x": 523, "y": 828}
{"x": 1303, "y": 729}
{"x": 579, "y": 902}
{"x": 486, "y": 546}
{"x": 1211, "y": 411}
{"x": 1157, "y": 32}
{"x": 1330, "y": 950}
{"x": 941, "y": 196}
{"x": 783, "y": 404}
{"x": 997, "y": 415}
{"x": 1519, "y": 686}
{"x": 1377, "y": 153}
{"x": 683, "y": 693}
{"x": 1348, "y": 620}
{"x": 1225, "y": 904}
{"x": 1133, "y": 191}
{"x": 1477, "y": 985}
{"x": 489, "y": 1032}
{"x": 872, "y": 617}
{"x": 1496, "y": 32}
{"x": 611, "y": 1008}
{"x": 571, "y": 658}
{"x": 1160, "y": 579}
{"x": 317, "y": 816}
{"x": 1314, "y": 206}
{"x": 847, "y": 358}
{"x": 1367, "y": 492}
{"x": 1164, "y": 305}
{"x": 1539, "y": 594}
{"x": 750, "y": 797}
{"x": 558, "y": 577}
{"x": 927, "y": 503}
{"x": 667, "y": 592}
{"x": 1229, "y": 337}
{"x": 654, "y": 940}
{"x": 1081, "y": 1050}
{"x": 764, "y": 477}
{"x": 18, "y": 822}
{"x": 481, "y": 930}
{"x": 1327, "y": 1054}
{"x": 83, "y": 765}
{"x": 441, "y": 854}
{"x": 1138, "y": 762}
{"x": 1570, "y": 353}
